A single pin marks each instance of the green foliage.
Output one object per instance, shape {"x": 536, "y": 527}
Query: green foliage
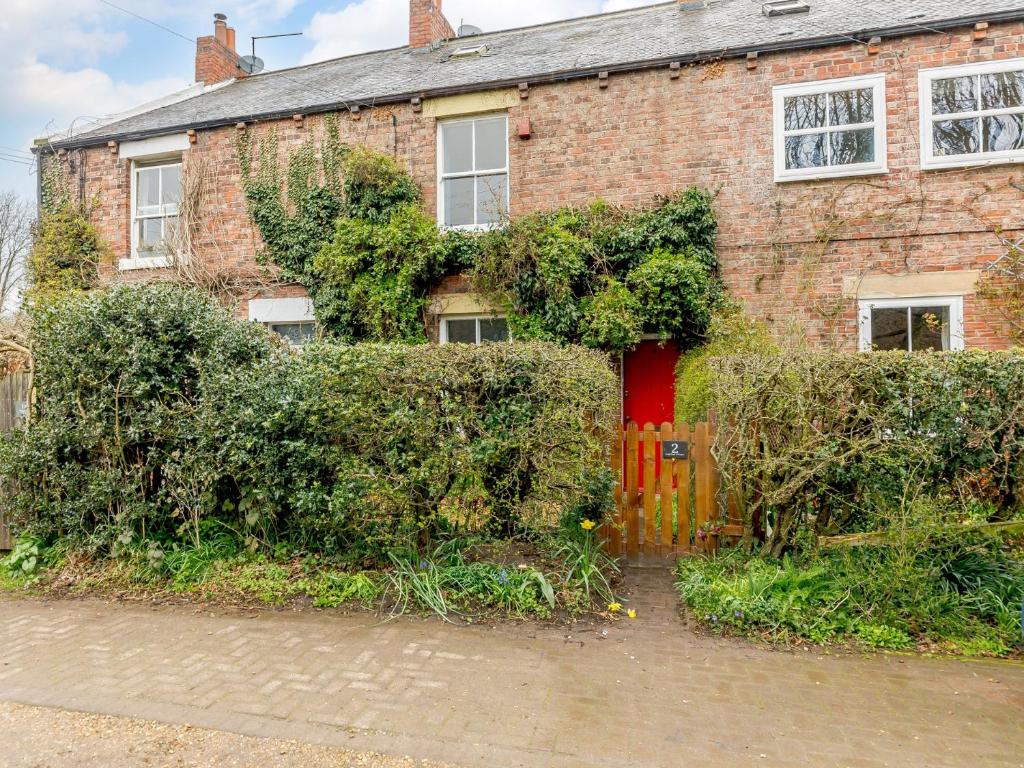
{"x": 163, "y": 424}
{"x": 119, "y": 376}
{"x": 369, "y": 448}
{"x": 66, "y": 254}
{"x": 587, "y": 565}
{"x": 851, "y": 442}
{"x": 603, "y": 275}
{"x": 595, "y": 501}
{"x": 332, "y": 589}
{"x": 730, "y": 332}
{"x": 444, "y": 583}
{"x": 960, "y": 593}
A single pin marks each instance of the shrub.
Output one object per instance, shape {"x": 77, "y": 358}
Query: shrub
{"x": 364, "y": 449}
{"x": 855, "y": 442}
{"x": 119, "y": 377}
{"x": 730, "y": 332}
{"x": 961, "y": 592}
{"x": 158, "y": 412}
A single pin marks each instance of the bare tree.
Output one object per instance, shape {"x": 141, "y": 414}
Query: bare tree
{"x": 15, "y": 240}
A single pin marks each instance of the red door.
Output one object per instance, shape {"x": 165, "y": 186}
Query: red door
{"x": 649, "y": 387}
{"x": 649, "y": 383}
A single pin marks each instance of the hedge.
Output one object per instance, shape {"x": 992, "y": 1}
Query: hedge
{"x": 158, "y": 413}
{"x": 834, "y": 443}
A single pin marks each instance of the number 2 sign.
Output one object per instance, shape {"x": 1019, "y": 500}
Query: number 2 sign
{"x": 675, "y": 449}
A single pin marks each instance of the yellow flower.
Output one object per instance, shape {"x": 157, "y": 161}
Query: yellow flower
{"x": 631, "y": 613}
{"x": 614, "y": 607}
{"x": 587, "y": 525}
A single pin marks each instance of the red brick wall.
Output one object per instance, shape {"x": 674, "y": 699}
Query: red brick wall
{"x": 785, "y": 248}
{"x": 427, "y": 23}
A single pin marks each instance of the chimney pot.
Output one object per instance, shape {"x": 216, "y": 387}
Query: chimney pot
{"x": 216, "y": 57}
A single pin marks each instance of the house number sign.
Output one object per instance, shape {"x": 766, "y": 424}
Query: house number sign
{"x": 675, "y": 449}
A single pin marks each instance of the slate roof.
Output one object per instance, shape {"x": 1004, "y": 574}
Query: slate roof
{"x": 634, "y": 39}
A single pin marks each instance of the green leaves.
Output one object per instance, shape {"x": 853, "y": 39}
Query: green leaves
{"x": 603, "y": 276}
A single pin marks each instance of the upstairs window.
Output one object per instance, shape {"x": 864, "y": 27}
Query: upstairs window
{"x": 831, "y": 128}
{"x": 156, "y": 193}
{"x": 933, "y": 323}
{"x": 972, "y": 115}
{"x": 473, "y": 179}
{"x": 473, "y": 330}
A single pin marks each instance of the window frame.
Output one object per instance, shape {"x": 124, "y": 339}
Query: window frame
{"x": 930, "y": 161}
{"x": 443, "y": 331}
{"x": 442, "y": 177}
{"x": 880, "y": 165}
{"x": 956, "y": 317}
{"x": 138, "y": 261}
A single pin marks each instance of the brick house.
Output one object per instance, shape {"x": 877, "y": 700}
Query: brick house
{"x": 865, "y": 155}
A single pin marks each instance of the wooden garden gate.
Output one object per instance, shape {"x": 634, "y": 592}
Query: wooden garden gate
{"x": 668, "y": 495}
{"x": 13, "y": 408}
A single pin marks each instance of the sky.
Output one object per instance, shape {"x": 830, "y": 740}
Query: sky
{"x": 71, "y": 60}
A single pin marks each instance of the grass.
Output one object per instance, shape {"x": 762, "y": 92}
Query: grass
{"x": 459, "y": 578}
{"x": 964, "y": 598}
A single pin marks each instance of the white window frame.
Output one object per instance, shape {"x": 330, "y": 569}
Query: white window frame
{"x": 879, "y": 165}
{"x": 285, "y": 311}
{"x": 475, "y": 174}
{"x": 956, "y": 316}
{"x": 137, "y": 261}
{"x": 929, "y": 161}
{"x": 443, "y": 334}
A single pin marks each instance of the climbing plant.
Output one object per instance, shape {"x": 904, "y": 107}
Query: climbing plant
{"x": 348, "y": 224}
{"x": 604, "y": 275}
{"x": 67, "y": 248}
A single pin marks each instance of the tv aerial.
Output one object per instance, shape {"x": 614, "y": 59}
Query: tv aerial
{"x": 253, "y": 64}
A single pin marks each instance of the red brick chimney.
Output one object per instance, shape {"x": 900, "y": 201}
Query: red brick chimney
{"x": 216, "y": 58}
{"x": 427, "y": 23}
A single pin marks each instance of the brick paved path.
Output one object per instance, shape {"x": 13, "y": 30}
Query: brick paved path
{"x": 649, "y": 694}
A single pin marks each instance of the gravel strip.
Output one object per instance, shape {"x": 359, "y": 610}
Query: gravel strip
{"x": 38, "y": 737}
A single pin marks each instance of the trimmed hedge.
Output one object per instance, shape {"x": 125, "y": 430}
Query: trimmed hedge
{"x": 158, "y": 413}
{"x": 853, "y": 442}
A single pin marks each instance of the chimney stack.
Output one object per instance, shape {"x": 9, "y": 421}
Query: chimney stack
{"x": 427, "y": 23}
{"x": 216, "y": 57}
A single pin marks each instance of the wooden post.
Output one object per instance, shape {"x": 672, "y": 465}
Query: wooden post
{"x": 701, "y": 501}
{"x": 632, "y": 490}
{"x": 650, "y": 490}
{"x": 667, "y": 470}
{"x": 613, "y": 531}
{"x": 683, "y": 494}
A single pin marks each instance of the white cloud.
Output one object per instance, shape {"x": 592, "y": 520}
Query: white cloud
{"x": 370, "y": 25}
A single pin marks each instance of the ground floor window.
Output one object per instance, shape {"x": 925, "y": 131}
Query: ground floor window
{"x": 932, "y": 323}
{"x": 290, "y": 318}
{"x": 295, "y": 334}
{"x": 473, "y": 330}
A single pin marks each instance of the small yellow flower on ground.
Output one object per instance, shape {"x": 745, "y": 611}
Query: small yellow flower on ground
{"x": 614, "y": 607}
{"x": 631, "y": 613}
{"x": 587, "y": 525}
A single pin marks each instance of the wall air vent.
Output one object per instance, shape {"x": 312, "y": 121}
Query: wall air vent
{"x": 784, "y": 7}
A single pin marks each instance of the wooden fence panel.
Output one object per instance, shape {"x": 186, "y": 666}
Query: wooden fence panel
{"x": 683, "y": 492}
{"x": 13, "y": 409}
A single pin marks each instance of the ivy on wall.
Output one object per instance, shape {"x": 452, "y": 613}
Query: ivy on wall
{"x": 67, "y": 249}
{"x": 604, "y": 276}
{"x": 348, "y": 224}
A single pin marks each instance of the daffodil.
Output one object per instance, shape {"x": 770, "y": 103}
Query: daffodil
{"x": 631, "y": 613}
{"x": 588, "y": 525}
{"x": 614, "y": 607}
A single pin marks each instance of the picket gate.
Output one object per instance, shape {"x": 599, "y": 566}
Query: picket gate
{"x": 666, "y": 507}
